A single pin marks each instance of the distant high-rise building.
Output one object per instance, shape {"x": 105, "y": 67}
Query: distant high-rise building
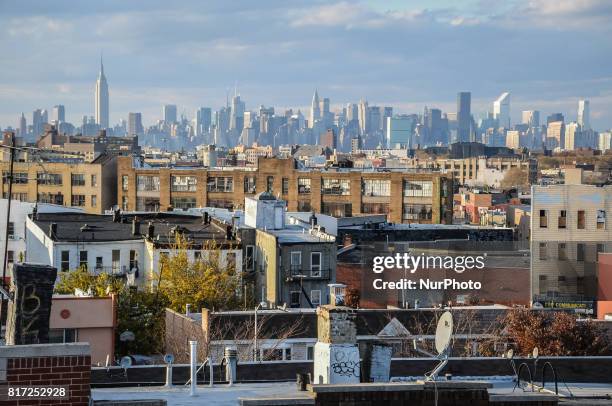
{"x": 572, "y": 136}
{"x": 364, "y": 119}
{"x": 555, "y": 135}
{"x": 531, "y": 118}
{"x": 375, "y": 119}
{"x": 584, "y": 113}
{"x": 385, "y": 112}
{"x": 464, "y": 116}
{"x": 135, "y": 127}
{"x": 101, "y": 99}
{"x": 203, "y": 120}
{"x": 169, "y": 112}
{"x": 513, "y": 139}
{"x": 352, "y": 112}
{"x": 605, "y": 141}
{"x": 328, "y": 139}
{"x": 38, "y": 122}
{"x": 59, "y": 113}
{"x": 315, "y": 110}
{"x": 501, "y": 110}
{"x": 399, "y": 131}
{"x": 23, "y": 126}
{"x": 554, "y": 117}
{"x": 237, "y": 114}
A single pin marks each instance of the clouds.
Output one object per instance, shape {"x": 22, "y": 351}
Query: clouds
{"x": 547, "y": 53}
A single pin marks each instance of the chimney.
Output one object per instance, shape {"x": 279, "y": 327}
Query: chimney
{"x": 52, "y": 230}
{"x": 187, "y": 309}
{"x": 313, "y": 220}
{"x": 206, "y": 218}
{"x": 150, "y": 230}
{"x": 228, "y": 233}
{"x": 116, "y": 215}
{"x": 135, "y": 226}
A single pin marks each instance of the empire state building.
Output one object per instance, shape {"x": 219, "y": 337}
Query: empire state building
{"x": 101, "y": 99}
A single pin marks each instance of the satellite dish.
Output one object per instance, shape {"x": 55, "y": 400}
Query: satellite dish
{"x": 536, "y": 352}
{"x": 444, "y": 332}
{"x": 126, "y": 362}
{"x": 168, "y": 358}
{"x": 510, "y": 353}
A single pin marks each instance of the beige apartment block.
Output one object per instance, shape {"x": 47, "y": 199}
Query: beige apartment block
{"x": 570, "y": 225}
{"x": 91, "y": 186}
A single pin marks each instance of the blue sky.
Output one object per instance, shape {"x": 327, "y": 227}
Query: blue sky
{"x": 408, "y": 54}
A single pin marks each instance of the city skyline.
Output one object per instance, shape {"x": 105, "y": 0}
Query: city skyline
{"x": 368, "y": 52}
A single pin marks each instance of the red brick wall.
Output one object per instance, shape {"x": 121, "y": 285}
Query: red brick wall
{"x": 72, "y": 371}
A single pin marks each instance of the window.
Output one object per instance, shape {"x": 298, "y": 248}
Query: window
{"x": 417, "y": 212}
{"x": 99, "y": 262}
{"x": 11, "y": 230}
{"x": 375, "y": 208}
{"x": 285, "y": 188}
{"x": 543, "y": 219}
{"x": 116, "y": 260}
{"x": 10, "y": 256}
{"x": 296, "y": 260}
{"x": 65, "y": 258}
{"x": 249, "y": 257}
{"x": 183, "y": 203}
{"x": 270, "y": 184}
{"x": 146, "y": 203}
{"x": 580, "y": 252}
{"x": 94, "y": 180}
{"x": 124, "y": 203}
{"x": 249, "y": 184}
{"x": 315, "y": 297}
{"x": 78, "y": 200}
{"x": 220, "y": 203}
{"x": 376, "y": 187}
{"x": 294, "y": 299}
{"x": 19, "y": 178}
{"x": 315, "y": 264}
{"x": 62, "y": 335}
{"x": 543, "y": 251}
{"x": 147, "y": 183}
{"x": 562, "y": 221}
{"x": 221, "y": 184}
{"x": 418, "y": 188}
{"x": 337, "y": 209}
{"x": 133, "y": 261}
{"x": 184, "y": 183}
{"x": 124, "y": 183}
{"x": 303, "y": 186}
{"x": 53, "y": 198}
{"x": 562, "y": 252}
{"x": 49, "y": 178}
{"x": 304, "y": 206}
{"x": 601, "y": 219}
{"x": 336, "y": 187}
{"x": 83, "y": 259}
{"x": 581, "y": 220}
{"x": 310, "y": 353}
{"x": 77, "y": 179}
{"x": 94, "y": 201}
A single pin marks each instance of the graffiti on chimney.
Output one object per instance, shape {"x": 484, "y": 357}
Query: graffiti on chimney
{"x": 345, "y": 363}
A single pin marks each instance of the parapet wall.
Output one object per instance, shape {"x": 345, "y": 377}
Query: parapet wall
{"x": 67, "y": 365}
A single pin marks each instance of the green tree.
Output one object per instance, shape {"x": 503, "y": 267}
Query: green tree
{"x": 101, "y": 284}
{"x": 207, "y": 282}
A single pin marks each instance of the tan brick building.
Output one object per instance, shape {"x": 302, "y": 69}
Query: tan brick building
{"x": 405, "y": 196}
{"x": 92, "y": 186}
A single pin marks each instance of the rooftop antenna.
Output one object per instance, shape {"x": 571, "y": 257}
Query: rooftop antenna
{"x": 444, "y": 335}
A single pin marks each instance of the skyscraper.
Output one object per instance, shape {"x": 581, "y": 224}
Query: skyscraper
{"x": 464, "y": 116}
{"x": 501, "y": 110}
{"x": 23, "y": 126}
{"x": 38, "y": 122}
{"x": 59, "y": 113}
{"x": 237, "y": 114}
{"x": 399, "y": 131}
{"x": 135, "y": 127}
{"x": 101, "y": 99}
{"x": 364, "y": 119}
{"x": 584, "y": 113}
{"x": 169, "y": 111}
{"x": 315, "y": 110}
{"x": 531, "y": 118}
{"x": 203, "y": 120}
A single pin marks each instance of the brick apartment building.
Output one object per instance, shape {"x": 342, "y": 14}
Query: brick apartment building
{"x": 90, "y": 186}
{"x": 405, "y": 196}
